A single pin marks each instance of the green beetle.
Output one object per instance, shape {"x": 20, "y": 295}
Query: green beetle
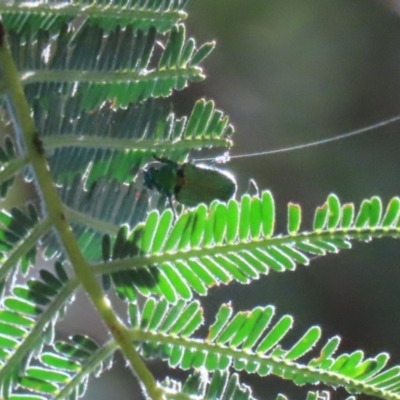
{"x": 189, "y": 184}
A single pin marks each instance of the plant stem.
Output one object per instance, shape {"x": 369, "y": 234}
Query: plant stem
{"x": 95, "y": 11}
{"x": 352, "y": 234}
{"x": 58, "y": 141}
{"x": 109, "y": 78}
{"x": 24, "y": 125}
{"x": 12, "y": 167}
{"x": 90, "y": 222}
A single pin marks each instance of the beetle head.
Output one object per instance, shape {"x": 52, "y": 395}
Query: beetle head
{"x": 148, "y": 178}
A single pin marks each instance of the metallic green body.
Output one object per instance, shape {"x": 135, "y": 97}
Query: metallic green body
{"x": 190, "y": 184}
{"x": 203, "y": 185}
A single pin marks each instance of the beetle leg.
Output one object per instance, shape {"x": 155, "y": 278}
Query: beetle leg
{"x": 172, "y": 207}
{"x": 164, "y": 160}
{"x": 253, "y": 187}
{"x": 181, "y": 181}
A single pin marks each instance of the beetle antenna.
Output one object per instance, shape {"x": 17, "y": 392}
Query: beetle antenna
{"x": 226, "y": 156}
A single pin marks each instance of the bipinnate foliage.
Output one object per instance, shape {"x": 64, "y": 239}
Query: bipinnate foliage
{"x": 85, "y": 85}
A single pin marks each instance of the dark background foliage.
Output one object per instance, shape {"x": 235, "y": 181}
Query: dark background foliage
{"x": 289, "y": 72}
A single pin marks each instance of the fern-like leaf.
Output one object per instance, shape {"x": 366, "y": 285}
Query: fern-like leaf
{"x": 10, "y": 164}
{"x": 236, "y": 241}
{"x": 200, "y": 385}
{"x": 20, "y": 230}
{"x": 222, "y": 385}
{"x": 253, "y": 341}
{"x": 26, "y": 321}
{"x": 34, "y": 15}
{"x": 118, "y": 143}
{"x": 97, "y": 66}
{"x": 96, "y": 212}
{"x": 64, "y": 368}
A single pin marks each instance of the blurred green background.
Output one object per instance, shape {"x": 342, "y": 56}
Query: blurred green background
{"x": 289, "y": 72}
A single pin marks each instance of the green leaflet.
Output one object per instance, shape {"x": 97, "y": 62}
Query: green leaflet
{"x": 244, "y": 341}
{"x": 226, "y": 244}
{"x": 47, "y": 16}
